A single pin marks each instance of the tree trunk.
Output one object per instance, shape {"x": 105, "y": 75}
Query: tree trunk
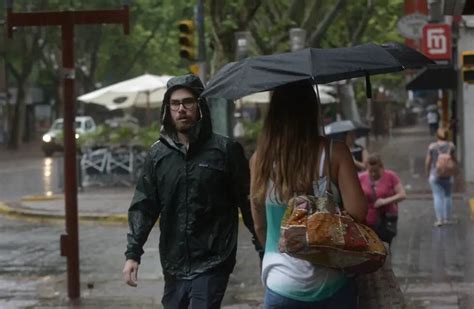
{"x": 348, "y": 102}
{"x": 17, "y": 122}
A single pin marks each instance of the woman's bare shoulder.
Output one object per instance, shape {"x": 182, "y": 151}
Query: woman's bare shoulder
{"x": 339, "y": 148}
{"x": 252, "y": 160}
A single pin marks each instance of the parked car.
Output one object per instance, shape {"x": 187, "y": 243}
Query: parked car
{"x": 52, "y": 141}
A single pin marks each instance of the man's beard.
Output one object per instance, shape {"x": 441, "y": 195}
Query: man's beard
{"x": 183, "y": 128}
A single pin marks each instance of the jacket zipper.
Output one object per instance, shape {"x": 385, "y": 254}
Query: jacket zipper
{"x": 188, "y": 266}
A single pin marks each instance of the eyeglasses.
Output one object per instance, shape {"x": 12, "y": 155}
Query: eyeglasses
{"x": 187, "y": 103}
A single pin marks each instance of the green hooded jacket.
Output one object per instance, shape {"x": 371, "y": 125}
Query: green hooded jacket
{"x": 196, "y": 194}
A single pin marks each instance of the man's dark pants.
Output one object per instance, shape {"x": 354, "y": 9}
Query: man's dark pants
{"x": 433, "y": 128}
{"x": 205, "y": 291}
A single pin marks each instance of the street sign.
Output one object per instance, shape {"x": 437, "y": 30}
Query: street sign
{"x": 410, "y": 26}
{"x": 436, "y": 43}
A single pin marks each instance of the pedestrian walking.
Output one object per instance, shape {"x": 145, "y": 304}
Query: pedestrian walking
{"x": 433, "y": 118}
{"x": 384, "y": 190}
{"x": 290, "y": 160}
{"x": 194, "y": 181}
{"x": 359, "y": 153}
{"x": 440, "y": 167}
{"x": 349, "y": 131}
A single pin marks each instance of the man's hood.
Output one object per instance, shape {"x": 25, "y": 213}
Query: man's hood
{"x": 199, "y": 132}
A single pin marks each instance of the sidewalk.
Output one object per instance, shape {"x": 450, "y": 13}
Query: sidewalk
{"x": 404, "y": 153}
{"x": 94, "y": 204}
{"x": 26, "y": 150}
{"x": 433, "y": 265}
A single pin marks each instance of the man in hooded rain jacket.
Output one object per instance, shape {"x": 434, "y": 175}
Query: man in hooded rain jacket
{"x": 194, "y": 181}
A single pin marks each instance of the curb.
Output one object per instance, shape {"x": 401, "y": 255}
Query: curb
{"x": 39, "y": 198}
{"x": 5, "y": 209}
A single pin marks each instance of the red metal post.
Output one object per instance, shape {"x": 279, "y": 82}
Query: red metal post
{"x": 66, "y": 20}
{"x": 70, "y": 153}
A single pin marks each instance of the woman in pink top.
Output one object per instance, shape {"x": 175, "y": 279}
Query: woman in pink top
{"x": 383, "y": 191}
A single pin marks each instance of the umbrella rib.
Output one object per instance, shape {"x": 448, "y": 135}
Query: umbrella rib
{"x": 311, "y": 66}
{"x": 393, "y": 57}
{"x": 245, "y": 73}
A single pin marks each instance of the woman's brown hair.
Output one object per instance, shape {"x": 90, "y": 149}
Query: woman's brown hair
{"x": 442, "y": 134}
{"x": 287, "y": 149}
{"x": 374, "y": 159}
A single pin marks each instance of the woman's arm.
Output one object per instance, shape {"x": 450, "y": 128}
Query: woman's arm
{"x": 399, "y": 196}
{"x": 258, "y": 211}
{"x": 428, "y": 163}
{"x": 361, "y": 164}
{"x": 352, "y": 195}
{"x": 453, "y": 153}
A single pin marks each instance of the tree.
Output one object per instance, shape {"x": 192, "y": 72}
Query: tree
{"x": 327, "y": 23}
{"x": 22, "y": 55}
{"x": 103, "y": 54}
{"x": 227, "y": 17}
{"x": 269, "y": 23}
{"x": 361, "y": 23}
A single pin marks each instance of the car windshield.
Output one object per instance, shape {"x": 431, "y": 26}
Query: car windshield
{"x": 59, "y": 125}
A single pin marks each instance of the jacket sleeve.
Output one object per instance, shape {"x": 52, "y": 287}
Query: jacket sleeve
{"x": 240, "y": 172}
{"x": 143, "y": 212}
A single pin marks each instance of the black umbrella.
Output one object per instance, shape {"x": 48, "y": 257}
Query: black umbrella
{"x": 262, "y": 73}
{"x": 440, "y": 76}
{"x": 344, "y": 126}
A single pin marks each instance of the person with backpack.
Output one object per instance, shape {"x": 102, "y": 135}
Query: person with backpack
{"x": 433, "y": 120}
{"x": 440, "y": 167}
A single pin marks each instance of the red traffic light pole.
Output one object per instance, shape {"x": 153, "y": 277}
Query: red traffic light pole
{"x": 67, "y": 20}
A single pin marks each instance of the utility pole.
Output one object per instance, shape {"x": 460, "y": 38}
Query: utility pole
{"x": 202, "y": 57}
{"x": 3, "y": 86}
{"x": 67, "y": 20}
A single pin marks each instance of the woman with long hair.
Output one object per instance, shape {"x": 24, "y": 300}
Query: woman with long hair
{"x": 441, "y": 185}
{"x": 290, "y": 160}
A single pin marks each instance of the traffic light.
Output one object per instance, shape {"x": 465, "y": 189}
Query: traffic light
{"x": 468, "y": 66}
{"x": 187, "y": 50}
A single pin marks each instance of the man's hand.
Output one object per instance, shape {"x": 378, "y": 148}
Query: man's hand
{"x": 130, "y": 273}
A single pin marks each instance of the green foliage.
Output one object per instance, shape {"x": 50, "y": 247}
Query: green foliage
{"x": 121, "y": 136}
{"x": 107, "y": 136}
{"x": 252, "y": 129}
{"x": 103, "y": 54}
{"x": 147, "y": 136}
{"x": 97, "y": 137}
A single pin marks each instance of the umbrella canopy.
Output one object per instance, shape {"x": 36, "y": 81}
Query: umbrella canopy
{"x": 143, "y": 91}
{"x": 344, "y": 126}
{"x": 434, "y": 77}
{"x": 320, "y": 66}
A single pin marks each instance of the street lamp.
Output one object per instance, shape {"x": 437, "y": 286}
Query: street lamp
{"x": 297, "y": 38}
{"x": 222, "y": 110}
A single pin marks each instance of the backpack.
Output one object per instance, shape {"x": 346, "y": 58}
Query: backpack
{"x": 445, "y": 165}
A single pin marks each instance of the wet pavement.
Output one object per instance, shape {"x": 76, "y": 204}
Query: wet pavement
{"x": 434, "y": 265}
{"x": 32, "y": 270}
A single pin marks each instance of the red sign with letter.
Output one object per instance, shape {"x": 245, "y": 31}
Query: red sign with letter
{"x": 436, "y": 42}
